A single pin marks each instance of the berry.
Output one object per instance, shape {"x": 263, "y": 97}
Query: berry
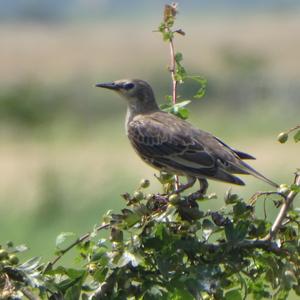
{"x": 144, "y": 183}
{"x": 282, "y": 137}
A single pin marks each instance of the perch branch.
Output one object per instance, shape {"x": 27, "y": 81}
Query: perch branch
{"x": 284, "y": 209}
{"x": 78, "y": 241}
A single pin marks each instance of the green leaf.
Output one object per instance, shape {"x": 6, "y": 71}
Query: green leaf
{"x": 128, "y": 257}
{"x": 230, "y": 198}
{"x": 295, "y": 188}
{"x": 182, "y": 103}
{"x": 208, "y": 228}
{"x": 183, "y": 113}
{"x": 180, "y": 294}
{"x": 233, "y": 295}
{"x": 62, "y": 238}
{"x": 241, "y": 230}
{"x": 229, "y": 231}
{"x": 236, "y": 233}
{"x": 73, "y": 293}
{"x": 178, "y": 57}
{"x": 131, "y": 218}
{"x": 203, "y": 83}
{"x": 297, "y": 136}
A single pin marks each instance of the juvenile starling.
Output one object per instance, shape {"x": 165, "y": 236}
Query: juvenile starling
{"x": 171, "y": 144}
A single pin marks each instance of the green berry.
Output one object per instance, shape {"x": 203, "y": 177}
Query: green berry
{"x": 282, "y": 137}
{"x": 166, "y": 177}
{"x": 5, "y": 262}
{"x": 9, "y": 244}
{"x": 283, "y": 189}
{"x": 3, "y": 254}
{"x": 174, "y": 198}
{"x": 138, "y": 195}
{"x": 144, "y": 183}
{"x": 149, "y": 197}
{"x": 13, "y": 259}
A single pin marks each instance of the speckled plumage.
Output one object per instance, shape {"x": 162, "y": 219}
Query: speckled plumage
{"x": 169, "y": 143}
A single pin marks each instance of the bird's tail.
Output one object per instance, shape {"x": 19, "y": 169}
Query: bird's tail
{"x": 258, "y": 175}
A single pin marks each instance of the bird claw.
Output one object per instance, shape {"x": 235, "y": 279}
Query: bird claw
{"x": 195, "y": 196}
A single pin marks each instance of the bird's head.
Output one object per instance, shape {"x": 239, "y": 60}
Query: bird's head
{"x": 138, "y": 93}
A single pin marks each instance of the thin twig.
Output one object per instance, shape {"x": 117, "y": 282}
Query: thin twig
{"x": 284, "y": 209}
{"x": 78, "y": 241}
{"x": 255, "y": 196}
{"x": 292, "y": 129}
{"x": 29, "y": 295}
{"x": 173, "y": 70}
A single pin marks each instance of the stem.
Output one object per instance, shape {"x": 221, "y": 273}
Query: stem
{"x": 283, "y": 211}
{"x": 172, "y": 70}
{"x": 292, "y": 129}
{"x": 78, "y": 241}
{"x": 174, "y": 86}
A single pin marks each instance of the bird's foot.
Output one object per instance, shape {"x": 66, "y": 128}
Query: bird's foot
{"x": 161, "y": 198}
{"x": 183, "y": 187}
{"x": 195, "y": 196}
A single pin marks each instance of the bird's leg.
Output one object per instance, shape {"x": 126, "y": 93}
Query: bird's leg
{"x": 190, "y": 182}
{"x": 201, "y": 192}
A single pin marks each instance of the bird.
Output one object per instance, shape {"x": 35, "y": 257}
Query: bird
{"x": 173, "y": 145}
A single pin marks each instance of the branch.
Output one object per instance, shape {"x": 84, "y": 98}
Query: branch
{"x": 266, "y": 245}
{"x": 78, "y": 241}
{"x": 172, "y": 70}
{"x": 284, "y": 209}
{"x": 169, "y": 15}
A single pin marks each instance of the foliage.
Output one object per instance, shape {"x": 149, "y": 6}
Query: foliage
{"x": 164, "y": 246}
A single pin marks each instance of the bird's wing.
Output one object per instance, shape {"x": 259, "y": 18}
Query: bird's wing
{"x": 240, "y": 154}
{"x": 167, "y": 142}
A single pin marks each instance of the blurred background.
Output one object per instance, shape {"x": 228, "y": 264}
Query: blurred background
{"x": 64, "y": 157}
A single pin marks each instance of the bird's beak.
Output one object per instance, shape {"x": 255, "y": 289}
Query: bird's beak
{"x": 109, "y": 85}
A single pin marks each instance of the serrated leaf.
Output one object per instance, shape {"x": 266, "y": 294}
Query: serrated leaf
{"x": 297, "y": 136}
{"x": 203, "y": 83}
{"x": 62, "y": 237}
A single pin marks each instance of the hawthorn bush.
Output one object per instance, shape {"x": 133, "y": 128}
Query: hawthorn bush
{"x": 164, "y": 246}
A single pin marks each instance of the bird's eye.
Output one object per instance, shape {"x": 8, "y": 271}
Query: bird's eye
{"x": 128, "y": 86}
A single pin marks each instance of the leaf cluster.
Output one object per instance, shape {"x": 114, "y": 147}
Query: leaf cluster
{"x": 159, "y": 247}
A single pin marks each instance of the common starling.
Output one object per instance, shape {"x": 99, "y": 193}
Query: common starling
{"x": 173, "y": 145}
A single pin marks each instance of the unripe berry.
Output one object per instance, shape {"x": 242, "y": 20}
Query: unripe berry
{"x": 3, "y": 254}
{"x": 138, "y": 195}
{"x": 13, "y": 259}
{"x": 282, "y": 137}
{"x": 174, "y": 198}
{"x": 283, "y": 189}
{"x": 144, "y": 183}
